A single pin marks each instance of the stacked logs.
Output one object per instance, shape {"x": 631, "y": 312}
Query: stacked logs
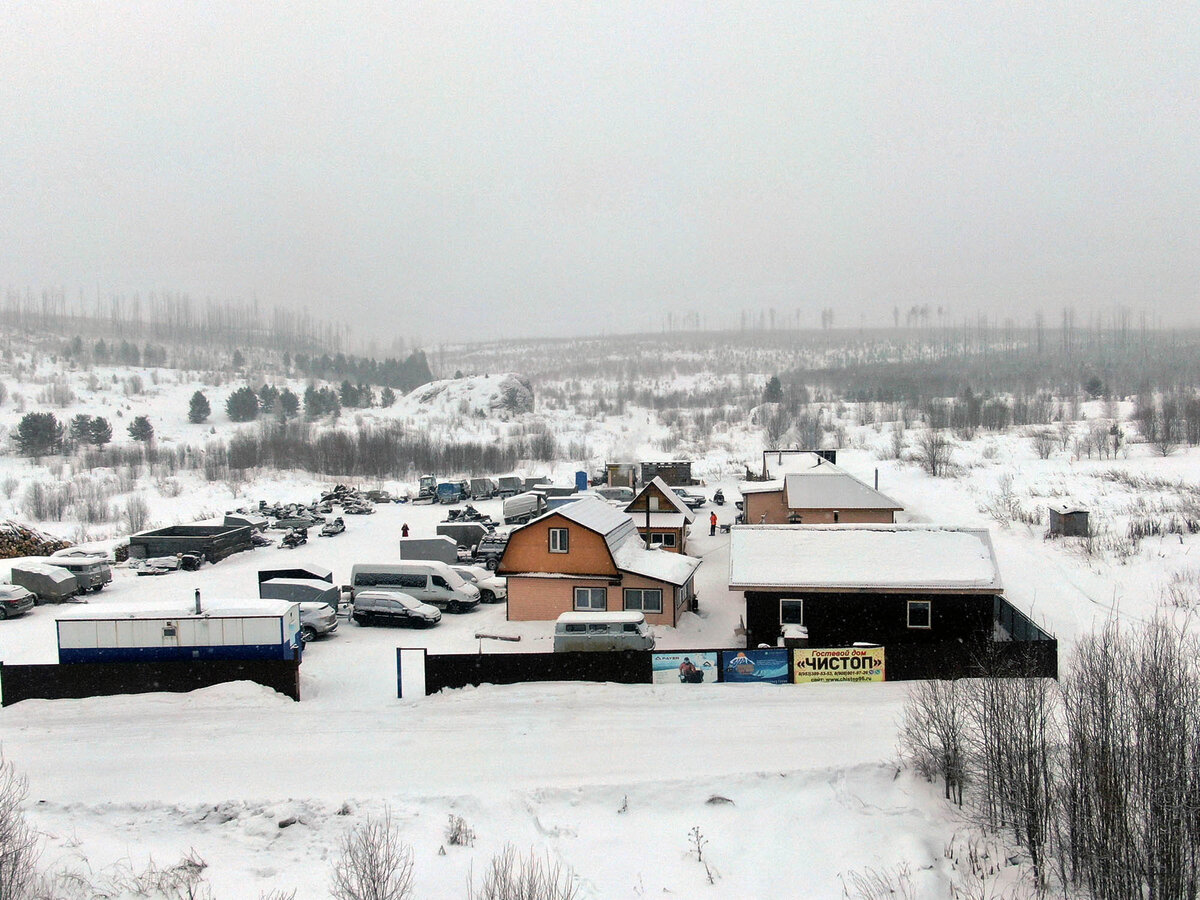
{"x": 21, "y": 540}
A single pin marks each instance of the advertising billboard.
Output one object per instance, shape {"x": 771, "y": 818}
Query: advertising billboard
{"x": 685, "y": 668}
{"x": 755, "y": 666}
{"x": 839, "y": 664}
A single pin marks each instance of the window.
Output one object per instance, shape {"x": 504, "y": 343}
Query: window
{"x": 576, "y": 629}
{"x": 559, "y": 540}
{"x": 791, "y": 612}
{"x": 646, "y": 599}
{"x": 439, "y": 581}
{"x": 920, "y": 614}
{"x": 666, "y": 538}
{"x": 591, "y": 598}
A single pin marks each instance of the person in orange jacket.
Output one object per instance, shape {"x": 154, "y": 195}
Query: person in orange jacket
{"x": 712, "y": 523}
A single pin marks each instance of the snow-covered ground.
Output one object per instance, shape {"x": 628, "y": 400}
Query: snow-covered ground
{"x": 608, "y": 778}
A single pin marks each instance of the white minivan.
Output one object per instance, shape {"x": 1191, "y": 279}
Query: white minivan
{"x": 428, "y": 580}
{"x": 602, "y": 631}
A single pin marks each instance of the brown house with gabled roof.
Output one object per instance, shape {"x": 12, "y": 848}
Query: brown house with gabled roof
{"x": 589, "y": 556}
{"x": 661, "y": 517}
{"x": 822, "y": 495}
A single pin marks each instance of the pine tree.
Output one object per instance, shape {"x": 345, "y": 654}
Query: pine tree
{"x": 80, "y": 429}
{"x": 38, "y": 434}
{"x": 100, "y": 432}
{"x": 289, "y": 404}
{"x": 140, "y": 429}
{"x": 198, "y": 408}
{"x": 387, "y": 397}
{"x": 242, "y": 405}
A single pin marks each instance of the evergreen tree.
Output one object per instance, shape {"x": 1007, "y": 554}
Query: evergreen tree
{"x": 100, "y": 432}
{"x": 773, "y": 392}
{"x": 140, "y": 429}
{"x": 39, "y": 434}
{"x": 268, "y": 396}
{"x": 387, "y": 397}
{"x": 242, "y": 405}
{"x": 198, "y": 408}
{"x": 289, "y": 404}
{"x": 80, "y": 429}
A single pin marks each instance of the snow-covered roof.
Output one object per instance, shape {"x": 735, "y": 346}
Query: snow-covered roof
{"x": 668, "y": 493}
{"x": 837, "y": 490}
{"x": 661, "y": 565}
{"x": 628, "y": 617}
{"x": 779, "y": 463}
{"x": 1066, "y": 509}
{"x": 183, "y": 608}
{"x": 593, "y": 514}
{"x": 759, "y": 487}
{"x": 862, "y": 558}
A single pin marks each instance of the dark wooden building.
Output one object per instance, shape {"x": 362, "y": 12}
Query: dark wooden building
{"x": 923, "y": 588}
{"x": 1068, "y": 521}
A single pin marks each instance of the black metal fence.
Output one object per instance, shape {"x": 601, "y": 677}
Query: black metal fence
{"x": 912, "y": 662}
{"x": 77, "y": 680}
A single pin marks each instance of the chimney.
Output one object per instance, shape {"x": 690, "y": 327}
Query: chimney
{"x": 877, "y": 478}
{"x": 197, "y": 601}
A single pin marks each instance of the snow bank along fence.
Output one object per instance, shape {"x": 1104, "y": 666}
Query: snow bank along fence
{"x": 419, "y": 673}
{"x": 175, "y": 646}
{"x": 78, "y": 680}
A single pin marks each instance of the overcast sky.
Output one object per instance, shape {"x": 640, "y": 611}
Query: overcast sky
{"x": 534, "y": 168}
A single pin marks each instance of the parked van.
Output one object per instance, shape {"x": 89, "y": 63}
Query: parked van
{"x": 92, "y": 573}
{"x": 428, "y": 580}
{"x": 602, "y": 631}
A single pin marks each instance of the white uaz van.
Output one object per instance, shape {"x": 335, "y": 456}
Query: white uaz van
{"x": 428, "y": 580}
{"x": 602, "y": 631}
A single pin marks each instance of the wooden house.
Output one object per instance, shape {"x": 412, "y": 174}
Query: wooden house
{"x": 662, "y": 519}
{"x": 820, "y": 495}
{"x": 589, "y": 556}
{"x": 882, "y": 584}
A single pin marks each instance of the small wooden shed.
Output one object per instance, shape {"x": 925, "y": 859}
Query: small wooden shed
{"x": 1068, "y": 521}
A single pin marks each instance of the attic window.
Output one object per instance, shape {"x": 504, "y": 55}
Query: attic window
{"x": 559, "y": 540}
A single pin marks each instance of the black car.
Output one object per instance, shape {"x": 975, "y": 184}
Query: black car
{"x": 392, "y": 608}
{"x": 490, "y": 549}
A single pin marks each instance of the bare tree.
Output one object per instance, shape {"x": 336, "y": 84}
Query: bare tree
{"x": 1043, "y": 441}
{"x": 374, "y": 863}
{"x": 18, "y": 841}
{"x": 932, "y": 450}
{"x": 932, "y": 734}
{"x": 511, "y": 876}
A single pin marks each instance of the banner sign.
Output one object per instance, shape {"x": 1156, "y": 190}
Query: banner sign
{"x": 684, "y": 668}
{"x": 756, "y": 666}
{"x": 839, "y": 664}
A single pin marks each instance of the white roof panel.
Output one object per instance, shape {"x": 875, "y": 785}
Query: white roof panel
{"x": 837, "y": 490}
{"x": 862, "y": 558}
{"x": 661, "y": 565}
{"x": 183, "y": 608}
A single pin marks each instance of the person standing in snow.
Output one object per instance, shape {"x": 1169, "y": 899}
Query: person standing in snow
{"x": 404, "y": 530}
{"x": 712, "y": 523}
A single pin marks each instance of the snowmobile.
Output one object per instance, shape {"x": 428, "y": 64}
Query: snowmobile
{"x": 719, "y": 497}
{"x": 337, "y": 526}
{"x": 295, "y": 538}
